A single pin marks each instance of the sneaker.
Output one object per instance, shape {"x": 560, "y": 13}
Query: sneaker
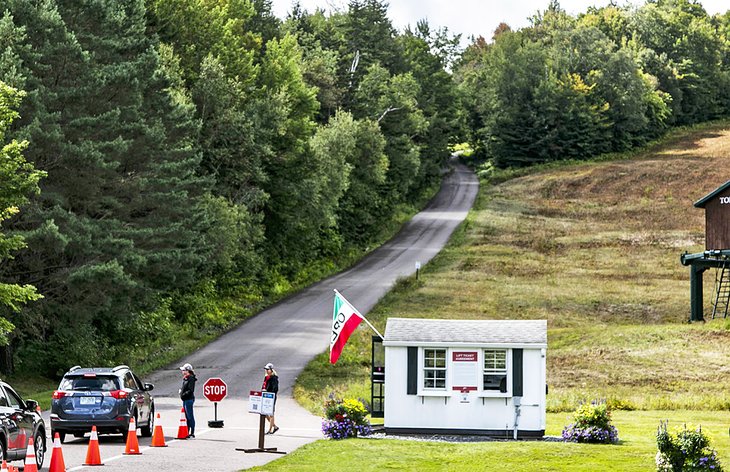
{"x": 276, "y": 428}
{"x": 191, "y": 436}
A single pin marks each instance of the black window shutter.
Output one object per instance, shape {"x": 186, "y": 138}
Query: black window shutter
{"x": 412, "y": 371}
{"x": 517, "y": 380}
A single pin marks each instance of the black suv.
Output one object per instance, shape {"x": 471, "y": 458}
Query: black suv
{"x": 103, "y": 397}
{"x": 20, "y": 420}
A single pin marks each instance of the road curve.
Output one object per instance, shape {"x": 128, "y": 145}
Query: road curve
{"x": 289, "y": 334}
{"x": 293, "y": 331}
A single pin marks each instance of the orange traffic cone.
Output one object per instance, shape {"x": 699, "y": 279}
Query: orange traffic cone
{"x": 30, "y": 463}
{"x": 182, "y": 430}
{"x": 57, "y": 463}
{"x": 132, "y": 444}
{"x": 93, "y": 456}
{"x": 4, "y": 466}
{"x": 158, "y": 437}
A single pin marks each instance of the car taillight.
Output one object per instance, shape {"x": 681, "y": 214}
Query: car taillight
{"x": 58, "y": 394}
{"x": 119, "y": 394}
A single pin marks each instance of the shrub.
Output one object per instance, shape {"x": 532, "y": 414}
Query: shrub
{"x": 345, "y": 418}
{"x": 591, "y": 424}
{"x": 684, "y": 450}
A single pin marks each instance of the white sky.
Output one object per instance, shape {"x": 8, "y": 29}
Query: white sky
{"x": 471, "y": 17}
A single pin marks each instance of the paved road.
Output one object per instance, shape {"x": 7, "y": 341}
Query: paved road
{"x": 289, "y": 335}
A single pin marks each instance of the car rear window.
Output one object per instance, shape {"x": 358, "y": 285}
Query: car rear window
{"x": 97, "y": 383}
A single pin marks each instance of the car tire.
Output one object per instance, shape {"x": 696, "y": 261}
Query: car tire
{"x": 3, "y": 450}
{"x": 147, "y": 429}
{"x": 40, "y": 448}
{"x": 61, "y": 435}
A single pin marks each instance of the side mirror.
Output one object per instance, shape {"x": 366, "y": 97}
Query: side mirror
{"x": 149, "y": 387}
{"x": 31, "y": 405}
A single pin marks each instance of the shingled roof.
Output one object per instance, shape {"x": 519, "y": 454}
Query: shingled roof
{"x": 400, "y": 331}
{"x": 703, "y": 201}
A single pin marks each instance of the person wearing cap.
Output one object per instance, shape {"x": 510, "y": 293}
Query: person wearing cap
{"x": 187, "y": 395}
{"x": 271, "y": 384}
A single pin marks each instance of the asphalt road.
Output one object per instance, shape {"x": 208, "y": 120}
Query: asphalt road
{"x": 289, "y": 334}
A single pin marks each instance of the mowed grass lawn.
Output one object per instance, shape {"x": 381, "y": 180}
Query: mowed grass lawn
{"x": 635, "y": 451}
{"x": 593, "y": 248}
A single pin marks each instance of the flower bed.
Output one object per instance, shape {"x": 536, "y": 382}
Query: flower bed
{"x": 345, "y": 419}
{"x": 684, "y": 450}
{"x": 592, "y": 424}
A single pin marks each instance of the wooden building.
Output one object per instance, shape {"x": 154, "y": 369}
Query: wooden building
{"x": 716, "y": 255}
{"x": 717, "y": 217}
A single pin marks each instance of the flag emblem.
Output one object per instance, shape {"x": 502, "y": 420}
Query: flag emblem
{"x": 345, "y": 318}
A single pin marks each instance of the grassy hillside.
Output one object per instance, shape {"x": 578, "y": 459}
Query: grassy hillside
{"x": 594, "y": 249}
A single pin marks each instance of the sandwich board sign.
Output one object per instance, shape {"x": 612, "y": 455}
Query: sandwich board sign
{"x": 254, "y": 401}
{"x": 267, "y": 403}
{"x": 261, "y": 402}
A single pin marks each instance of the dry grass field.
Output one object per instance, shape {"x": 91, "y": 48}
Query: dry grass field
{"x": 593, "y": 248}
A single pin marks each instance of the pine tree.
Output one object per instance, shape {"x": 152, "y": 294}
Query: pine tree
{"x": 121, "y": 219}
{"x": 18, "y": 180}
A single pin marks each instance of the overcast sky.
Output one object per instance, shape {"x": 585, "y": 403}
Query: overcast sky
{"x": 471, "y": 17}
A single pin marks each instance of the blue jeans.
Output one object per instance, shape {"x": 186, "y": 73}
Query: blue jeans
{"x": 189, "y": 417}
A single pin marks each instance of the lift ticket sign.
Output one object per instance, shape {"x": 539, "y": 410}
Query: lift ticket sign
{"x": 261, "y": 402}
{"x": 465, "y": 371}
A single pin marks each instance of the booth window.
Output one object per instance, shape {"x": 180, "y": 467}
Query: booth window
{"x": 434, "y": 368}
{"x": 495, "y": 369}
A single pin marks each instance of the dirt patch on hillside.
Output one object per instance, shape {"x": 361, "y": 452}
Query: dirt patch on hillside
{"x": 656, "y": 190}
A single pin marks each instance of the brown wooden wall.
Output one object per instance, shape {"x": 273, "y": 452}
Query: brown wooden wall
{"x": 717, "y": 221}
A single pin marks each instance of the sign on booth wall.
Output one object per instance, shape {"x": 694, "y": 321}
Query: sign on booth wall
{"x": 465, "y": 372}
{"x": 261, "y": 402}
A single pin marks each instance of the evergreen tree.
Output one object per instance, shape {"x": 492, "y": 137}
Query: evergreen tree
{"x": 292, "y": 226}
{"x": 322, "y": 47}
{"x": 18, "y": 180}
{"x": 427, "y": 55}
{"x": 121, "y": 219}
{"x": 197, "y": 29}
{"x": 371, "y": 39}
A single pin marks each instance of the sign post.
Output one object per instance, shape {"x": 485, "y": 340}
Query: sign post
{"x": 215, "y": 390}
{"x": 261, "y": 403}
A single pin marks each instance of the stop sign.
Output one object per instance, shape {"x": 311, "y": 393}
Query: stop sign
{"x": 215, "y": 389}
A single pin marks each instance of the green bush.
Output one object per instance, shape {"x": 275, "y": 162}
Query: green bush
{"x": 591, "y": 424}
{"x": 684, "y": 450}
{"x": 345, "y": 418}
{"x": 353, "y": 409}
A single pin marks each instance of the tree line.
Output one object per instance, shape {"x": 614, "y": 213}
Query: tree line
{"x": 167, "y": 166}
{"x": 178, "y": 162}
{"x": 607, "y": 80}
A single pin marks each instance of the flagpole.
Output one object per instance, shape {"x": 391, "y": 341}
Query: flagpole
{"x": 360, "y": 314}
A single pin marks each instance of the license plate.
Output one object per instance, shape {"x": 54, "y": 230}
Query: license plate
{"x": 87, "y": 400}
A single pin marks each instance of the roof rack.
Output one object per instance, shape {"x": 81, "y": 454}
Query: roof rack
{"x": 120, "y": 367}
{"x": 76, "y": 367}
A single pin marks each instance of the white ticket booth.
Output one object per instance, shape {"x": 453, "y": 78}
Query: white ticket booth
{"x": 484, "y": 377}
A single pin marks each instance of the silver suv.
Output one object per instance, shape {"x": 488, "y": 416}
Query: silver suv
{"x": 103, "y": 397}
